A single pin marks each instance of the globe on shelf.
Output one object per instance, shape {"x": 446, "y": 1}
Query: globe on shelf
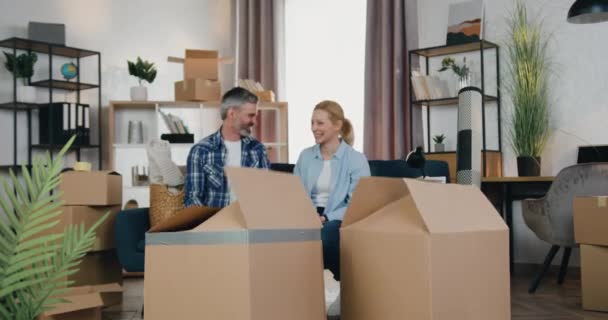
{"x": 68, "y": 70}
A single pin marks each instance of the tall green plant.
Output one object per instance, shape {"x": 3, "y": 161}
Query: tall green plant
{"x": 529, "y": 73}
{"x": 33, "y": 267}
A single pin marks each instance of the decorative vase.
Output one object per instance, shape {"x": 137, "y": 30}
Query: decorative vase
{"x": 468, "y": 145}
{"x": 26, "y": 94}
{"x": 464, "y": 82}
{"x": 139, "y": 93}
{"x": 439, "y": 147}
{"x": 528, "y": 166}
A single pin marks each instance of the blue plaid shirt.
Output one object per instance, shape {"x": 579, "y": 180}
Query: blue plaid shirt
{"x": 206, "y": 183}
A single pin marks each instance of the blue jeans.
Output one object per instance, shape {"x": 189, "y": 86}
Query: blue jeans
{"x": 330, "y": 236}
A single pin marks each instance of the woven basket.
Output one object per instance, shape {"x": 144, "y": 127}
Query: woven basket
{"x": 163, "y": 203}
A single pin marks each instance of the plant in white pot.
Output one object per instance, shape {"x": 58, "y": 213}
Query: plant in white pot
{"x": 438, "y": 139}
{"x": 144, "y": 71}
{"x": 22, "y": 67}
{"x": 462, "y": 71}
{"x": 529, "y": 71}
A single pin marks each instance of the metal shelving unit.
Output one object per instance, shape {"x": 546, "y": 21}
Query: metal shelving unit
{"x": 51, "y": 50}
{"x": 442, "y": 51}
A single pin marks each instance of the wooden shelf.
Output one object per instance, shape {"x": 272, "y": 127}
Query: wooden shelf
{"x": 20, "y": 106}
{"x": 453, "y": 49}
{"x": 448, "y": 101}
{"x": 59, "y": 146}
{"x": 45, "y": 47}
{"x": 64, "y": 85}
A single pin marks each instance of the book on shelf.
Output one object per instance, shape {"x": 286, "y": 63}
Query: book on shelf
{"x": 429, "y": 87}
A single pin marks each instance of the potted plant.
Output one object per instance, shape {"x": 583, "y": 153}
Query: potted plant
{"x": 144, "y": 71}
{"x": 34, "y": 262}
{"x": 462, "y": 71}
{"x": 22, "y": 67}
{"x": 438, "y": 139}
{"x": 528, "y": 73}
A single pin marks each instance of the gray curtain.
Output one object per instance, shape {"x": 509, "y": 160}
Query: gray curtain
{"x": 387, "y": 116}
{"x": 256, "y": 42}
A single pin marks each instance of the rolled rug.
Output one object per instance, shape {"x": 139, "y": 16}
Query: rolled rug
{"x": 159, "y": 155}
{"x": 469, "y": 143}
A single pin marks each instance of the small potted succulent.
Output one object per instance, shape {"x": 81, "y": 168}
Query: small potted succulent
{"x": 438, "y": 139}
{"x": 144, "y": 71}
{"x": 22, "y": 67}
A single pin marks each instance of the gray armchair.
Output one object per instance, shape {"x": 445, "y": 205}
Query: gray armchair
{"x": 550, "y": 218}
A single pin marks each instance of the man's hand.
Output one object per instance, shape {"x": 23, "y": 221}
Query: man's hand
{"x": 322, "y": 218}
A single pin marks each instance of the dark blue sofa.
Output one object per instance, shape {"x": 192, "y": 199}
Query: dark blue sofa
{"x": 131, "y": 225}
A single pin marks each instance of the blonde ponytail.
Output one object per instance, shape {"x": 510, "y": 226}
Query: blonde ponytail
{"x": 348, "y": 135}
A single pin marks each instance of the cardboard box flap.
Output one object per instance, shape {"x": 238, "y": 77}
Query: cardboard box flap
{"x": 399, "y": 216}
{"x": 229, "y": 218}
{"x": 201, "y": 54}
{"x": 448, "y": 208}
{"x": 95, "y": 173}
{"x": 282, "y": 202}
{"x": 185, "y": 219}
{"x": 371, "y": 194}
{"x": 107, "y": 288}
{"x": 76, "y": 303}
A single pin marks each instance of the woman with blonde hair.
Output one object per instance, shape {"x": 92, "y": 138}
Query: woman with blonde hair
{"x": 330, "y": 171}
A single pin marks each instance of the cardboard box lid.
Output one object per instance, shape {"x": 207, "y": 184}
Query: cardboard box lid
{"x": 272, "y": 200}
{"x": 431, "y": 201}
{"x": 185, "y": 219}
{"x": 79, "y": 298}
{"x": 257, "y": 205}
{"x": 591, "y": 220}
{"x": 201, "y": 54}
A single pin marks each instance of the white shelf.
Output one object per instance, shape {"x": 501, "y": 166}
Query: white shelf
{"x": 274, "y": 144}
{"x": 143, "y": 146}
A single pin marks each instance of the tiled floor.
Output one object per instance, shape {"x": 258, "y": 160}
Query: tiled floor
{"x": 551, "y": 302}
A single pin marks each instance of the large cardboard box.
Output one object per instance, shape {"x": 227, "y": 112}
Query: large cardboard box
{"x": 197, "y": 90}
{"x": 201, "y": 64}
{"x": 98, "y": 268}
{"x": 77, "y": 215}
{"x": 91, "y": 188}
{"x": 422, "y": 250}
{"x": 84, "y": 303}
{"x": 590, "y": 225}
{"x": 259, "y": 258}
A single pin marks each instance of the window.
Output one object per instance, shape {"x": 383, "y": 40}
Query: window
{"x": 324, "y": 59}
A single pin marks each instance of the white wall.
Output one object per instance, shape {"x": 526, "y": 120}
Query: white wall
{"x": 580, "y": 98}
{"x": 120, "y": 30}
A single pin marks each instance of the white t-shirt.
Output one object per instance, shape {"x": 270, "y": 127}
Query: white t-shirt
{"x": 321, "y": 191}
{"x": 233, "y": 159}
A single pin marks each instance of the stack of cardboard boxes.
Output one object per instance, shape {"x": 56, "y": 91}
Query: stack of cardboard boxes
{"x": 201, "y": 76}
{"x": 590, "y": 231}
{"x": 87, "y": 197}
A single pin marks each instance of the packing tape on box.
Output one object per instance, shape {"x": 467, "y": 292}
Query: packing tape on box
{"x": 601, "y": 201}
{"x": 232, "y": 237}
{"x": 82, "y": 166}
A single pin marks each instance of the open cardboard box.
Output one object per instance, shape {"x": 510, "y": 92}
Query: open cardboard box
{"x": 91, "y": 188}
{"x": 201, "y": 64}
{"x": 590, "y": 225}
{"x": 412, "y": 249}
{"x": 83, "y": 303}
{"x": 259, "y": 258}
